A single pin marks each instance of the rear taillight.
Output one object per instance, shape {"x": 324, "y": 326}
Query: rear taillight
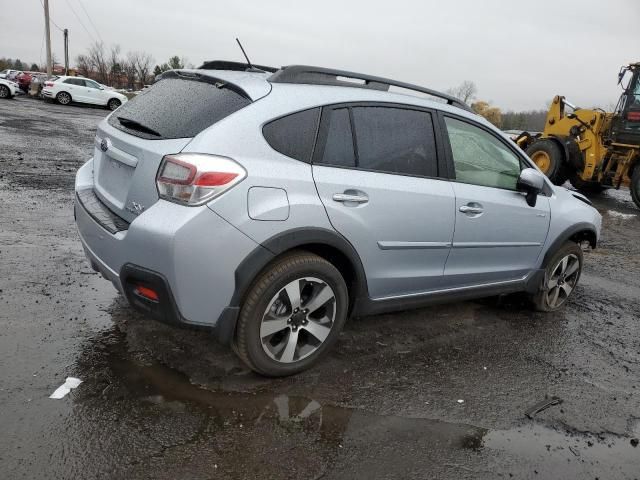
{"x": 195, "y": 178}
{"x": 633, "y": 116}
{"x": 48, "y": 84}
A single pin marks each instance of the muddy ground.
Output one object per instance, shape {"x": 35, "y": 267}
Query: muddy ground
{"x": 433, "y": 393}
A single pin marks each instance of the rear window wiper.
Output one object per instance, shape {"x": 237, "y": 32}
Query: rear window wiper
{"x": 134, "y": 125}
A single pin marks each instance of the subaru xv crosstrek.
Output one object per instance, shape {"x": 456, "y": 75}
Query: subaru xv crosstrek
{"x": 270, "y": 205}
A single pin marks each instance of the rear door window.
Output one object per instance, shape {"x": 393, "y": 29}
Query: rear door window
{"x": 178, "y": 108}
{"x": 294, "y": 135}
{"x": 395, "y": 140}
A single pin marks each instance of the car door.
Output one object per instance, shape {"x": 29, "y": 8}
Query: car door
{"x": 498, "y": 236}
{"x": 94, "y": 92}
{"x": 73, "y": 88}
{"x": 376, "y": 170}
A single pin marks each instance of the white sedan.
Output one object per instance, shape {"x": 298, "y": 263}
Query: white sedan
{"x": 82, "y": 90}
{"x": 8, "y": 88}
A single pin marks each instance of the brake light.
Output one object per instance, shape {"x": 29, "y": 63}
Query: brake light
{"x": 147, "y": 293}
{"x": 196, "y": 178}
{"x": 633, "y": 116}
{"x": 48, "y": 84}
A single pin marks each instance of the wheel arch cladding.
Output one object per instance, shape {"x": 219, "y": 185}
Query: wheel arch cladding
{"x": 325, "y": 243}
{"x": 578, "y": 233}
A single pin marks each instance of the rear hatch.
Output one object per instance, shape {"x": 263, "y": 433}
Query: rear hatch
{"x": 129, "y": 147}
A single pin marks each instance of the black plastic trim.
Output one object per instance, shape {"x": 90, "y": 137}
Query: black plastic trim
{"x": 97, "y": 210}
{"x": 234, "y": 66}
{"x": 307, "y": 74}
{"x": 166, "y": 309}
{"x": 257, "y": 260}
{"x": 565, "y": 236}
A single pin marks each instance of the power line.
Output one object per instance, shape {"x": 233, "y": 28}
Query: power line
{"x": 80, "y": 20}
{"x": 51, "y": 19}
{"x": 91, "y": 21}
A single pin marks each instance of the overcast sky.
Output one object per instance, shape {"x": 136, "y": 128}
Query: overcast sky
{"x": 519, "y": 57}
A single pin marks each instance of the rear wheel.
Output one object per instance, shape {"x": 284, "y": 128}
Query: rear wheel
{"x": 635, "y": 186}
{"x": 63, "y": 98}
{"x": 548, "y": 157}
{"x": 561, "y": 278}
{"x": 5, "y": 92}
{"x": 113, "y": 104}
{"x": 292, "y": 315}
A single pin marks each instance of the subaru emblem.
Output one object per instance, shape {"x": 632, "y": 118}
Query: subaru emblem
{"x": 104, "y": 145}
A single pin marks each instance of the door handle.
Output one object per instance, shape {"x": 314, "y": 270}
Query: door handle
{"x": 473, "y": 210}
{"x": 348, "y": 197}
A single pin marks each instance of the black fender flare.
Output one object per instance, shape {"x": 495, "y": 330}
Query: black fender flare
{"x": 268, "y": 250}
{"x": 565, "y": 236}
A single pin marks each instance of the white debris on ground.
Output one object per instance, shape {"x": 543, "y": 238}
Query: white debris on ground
{"x": 625, "y": 216}
{"x": 69, "y": 384}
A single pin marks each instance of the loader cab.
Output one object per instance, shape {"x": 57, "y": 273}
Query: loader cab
{"x": 626, "y": 122}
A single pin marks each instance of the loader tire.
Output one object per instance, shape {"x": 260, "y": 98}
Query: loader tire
{"x": 635, "y": 186}
{"x": 586, "y": 187}
{"x": 548, "y": 156}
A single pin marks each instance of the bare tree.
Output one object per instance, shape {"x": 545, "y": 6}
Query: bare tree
{"x": 143, "y": 65}
{"x": 466, "y": 91}
{"x": 99, "y": 62}
{"x": 83, "y": 65}
{"x": 129, "y": 69}
{"x": 114, "y": 67}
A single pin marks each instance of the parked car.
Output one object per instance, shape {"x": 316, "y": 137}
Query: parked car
{"x": 8, "y": 89}
{"x": 67, "y": 89}
{"x": 9, "y": 74}
{"x": 270, "y": 207}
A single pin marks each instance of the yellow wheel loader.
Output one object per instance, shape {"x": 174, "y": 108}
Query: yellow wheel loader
{"x": 593, "y": 149}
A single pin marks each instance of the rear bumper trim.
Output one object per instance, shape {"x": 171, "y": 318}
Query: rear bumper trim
{"x": 108, "y": 220}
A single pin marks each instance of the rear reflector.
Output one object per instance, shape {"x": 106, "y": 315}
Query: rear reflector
{"x": 196, "y": 178}
{"x": 147, "y": 293}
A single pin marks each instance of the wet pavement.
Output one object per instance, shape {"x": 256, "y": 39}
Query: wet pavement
{"x": 432, "y": 393}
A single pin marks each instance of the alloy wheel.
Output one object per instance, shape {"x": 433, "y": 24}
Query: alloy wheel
{"x": 64, "y": 98}
{"x": 113, "y": 104}
{"x": 4, "y": 91}
{"x": 563, "y": 280}
{"x": 298, "y": 319}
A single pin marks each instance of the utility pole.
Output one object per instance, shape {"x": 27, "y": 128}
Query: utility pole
{"x": 48, "y": 35}
{"x": 66, "y": 51}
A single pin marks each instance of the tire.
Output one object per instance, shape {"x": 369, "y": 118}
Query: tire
{"x": 586, "y": 187}
{"x": 548, "y": 156}
{"x": 63, "y": 98}
{"x": 283, "y": 345}
{"x": 635, "y": 186}
{"x": 5, "y": 92}
{"x": 113, "y": 104}
{"x": 559, "y": 277}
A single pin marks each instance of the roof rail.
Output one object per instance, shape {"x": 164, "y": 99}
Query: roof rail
{"x": 234, "y": 66}
{"x": 328, "y": 76}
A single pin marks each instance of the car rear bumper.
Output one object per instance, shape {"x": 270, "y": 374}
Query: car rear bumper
{"x": 188, "y": 256}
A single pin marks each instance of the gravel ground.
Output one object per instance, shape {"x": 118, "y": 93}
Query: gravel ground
{"x": 432, "y": 393}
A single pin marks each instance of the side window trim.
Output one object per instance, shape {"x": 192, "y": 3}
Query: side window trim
{"x": 323, "y": 130}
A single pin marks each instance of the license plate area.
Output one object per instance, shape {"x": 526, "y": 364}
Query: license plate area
{"x": 114, "y": 180}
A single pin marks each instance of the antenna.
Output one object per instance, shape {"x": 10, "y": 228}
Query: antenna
{"x": 250, "y": 67}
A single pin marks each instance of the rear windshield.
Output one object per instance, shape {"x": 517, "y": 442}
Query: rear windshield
{"x": 178, "y": 108}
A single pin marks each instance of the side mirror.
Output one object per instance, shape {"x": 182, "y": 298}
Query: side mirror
{"x": 531, "y": 181}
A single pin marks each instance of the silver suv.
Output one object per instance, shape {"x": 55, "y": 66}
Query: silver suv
{"x": 271, "y": 205}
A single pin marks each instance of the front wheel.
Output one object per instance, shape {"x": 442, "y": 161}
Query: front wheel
{"x": 292, "y": 315}
{"x": 560, "y": 279}
{"x": 113, "y": 104}
{"x": 635, "y": 186}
